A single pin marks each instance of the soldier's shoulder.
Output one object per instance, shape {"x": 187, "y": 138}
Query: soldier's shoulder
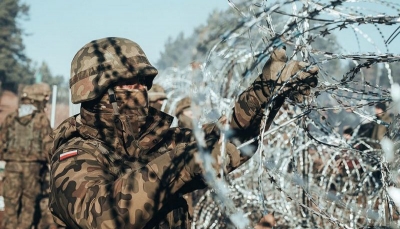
{"x": 81, "y": 149}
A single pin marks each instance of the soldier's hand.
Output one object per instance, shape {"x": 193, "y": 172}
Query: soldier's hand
{"x": 231, "y": 159}
{"x": 301, "y": 76}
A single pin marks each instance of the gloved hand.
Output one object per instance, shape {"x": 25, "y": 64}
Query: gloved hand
{"x": 298, "y": 86}
{"x": 232, "y": 156}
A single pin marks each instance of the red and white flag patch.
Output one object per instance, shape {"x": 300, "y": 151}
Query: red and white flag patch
{"x": 68, "y": 154}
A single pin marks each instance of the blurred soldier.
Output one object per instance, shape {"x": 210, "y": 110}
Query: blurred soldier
{"x": 21, "y": 137}
{"x": 157, "y": 97}
{"x": 380, "y": 130}
{"x": 348, "y": 134}
{"x": 43, "y": 90}
{"x": 118, "y": 164}
{"x": 46, "y": 219}
{"x": 184, "y": 113}
{"x": 185, "y": 120}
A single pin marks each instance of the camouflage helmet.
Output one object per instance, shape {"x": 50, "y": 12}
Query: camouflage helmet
{"x": 37, "y": 92}
{"x": 182, "y": 105}
{"x": 104, "y": 62}
{"x": 41, "y": 90}
{"x": 157, "y": 92}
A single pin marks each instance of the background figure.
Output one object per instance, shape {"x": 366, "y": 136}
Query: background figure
{"x": 45, "y": 217}
{"x": 157, "y": 97}
{"x": 184, "y": 113}
{"x": 21, "y": 138}
{"x": 348, "y": 134}
{"x": 380, "y": 130}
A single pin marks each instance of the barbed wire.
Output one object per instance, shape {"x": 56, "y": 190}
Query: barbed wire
{"x": 304, "y": 170}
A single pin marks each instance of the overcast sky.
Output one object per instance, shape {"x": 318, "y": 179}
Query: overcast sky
{"x": 59, "y": 28}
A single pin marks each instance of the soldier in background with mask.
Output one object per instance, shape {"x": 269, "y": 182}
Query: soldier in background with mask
{"x": 21, "y": 137}
{"x": 43, "y": 90}
{"x": 184, "y": 113}
{"x": 45, "y": 218}
{"x": 157, "y": 97}
{"x": 118, "y": 164}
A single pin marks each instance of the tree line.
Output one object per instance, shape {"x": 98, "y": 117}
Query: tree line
{"x": 15, "y": 67}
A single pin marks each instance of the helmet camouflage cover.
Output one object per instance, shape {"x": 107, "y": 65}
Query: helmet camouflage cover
{"x": 182, "y": 105}
{"x": 101, "y": 63}
{"x": 41, "y": 90}
{"x": 36, "y": 92}
{"x": 157, "y": 92}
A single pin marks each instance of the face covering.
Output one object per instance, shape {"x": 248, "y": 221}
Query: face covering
{"x": 133, "y": 108}
{"x": 25, "y": 109}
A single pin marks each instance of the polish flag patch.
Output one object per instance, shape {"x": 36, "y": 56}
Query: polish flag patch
{"x": 68, "y": 154}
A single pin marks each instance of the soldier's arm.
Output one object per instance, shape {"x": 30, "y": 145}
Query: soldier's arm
{"x": 3, "y": 134}
{"x": 85, "y": 194}
{"x": 279, "y": 78}
{"x": 249, "y": 110}
{"x": 45, "y": 131}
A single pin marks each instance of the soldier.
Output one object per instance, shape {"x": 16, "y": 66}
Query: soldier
{"x": 46, "y": 219}
{"x": 43, "y": 90}
{"x": 157, "y": 97}
{"x": 21, "y": 138}
{"x": 381, "y": 114}
{"x": 184, "y": 113}
{"x": 118, "y": 164}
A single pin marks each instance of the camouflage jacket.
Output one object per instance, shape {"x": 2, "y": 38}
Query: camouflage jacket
{"x": 380, "y": 130}
{"x": 94, "y": 184}
{"x": 21, "y": 138}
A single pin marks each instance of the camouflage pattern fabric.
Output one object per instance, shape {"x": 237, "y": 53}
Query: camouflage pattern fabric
{"x": 182, "y": 105}
{"x": 156, "y": 93}
{"x": 22, "y": 137}
{"x": 22, "y": 149}
{"x": 20, "y": 188}
{"x": 46, "y": 218}
{"x": 108, "y": 189}
{"x": 96, "y": 183}
{"x": 117, "y": 58}
{"x": 380, "y": 130}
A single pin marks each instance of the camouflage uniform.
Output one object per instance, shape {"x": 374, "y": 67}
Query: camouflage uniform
{"x": 45, "y": 220}
{"x": 183, "y": 120}
{"x": 108, "y": 174}
{"x": 21, "y": 141}
{"x": 156, "y": 94}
